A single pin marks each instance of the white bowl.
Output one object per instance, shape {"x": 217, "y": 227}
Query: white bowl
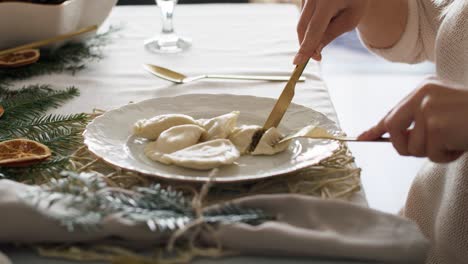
{"x": 22, "y": 22}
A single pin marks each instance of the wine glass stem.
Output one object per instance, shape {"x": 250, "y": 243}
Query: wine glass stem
{"x": 167, "y": 12}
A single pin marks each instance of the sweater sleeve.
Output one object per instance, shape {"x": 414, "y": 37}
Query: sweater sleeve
{"x": 411, "y": 47}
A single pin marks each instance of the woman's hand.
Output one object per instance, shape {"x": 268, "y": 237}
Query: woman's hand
{"x": 322, "y": 21}
{"x": 430, "y": 122}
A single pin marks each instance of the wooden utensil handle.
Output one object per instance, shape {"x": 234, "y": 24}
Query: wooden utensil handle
{"x": 48, "y": 41}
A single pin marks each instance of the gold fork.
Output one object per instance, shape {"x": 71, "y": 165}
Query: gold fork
{"x": 315, "y": 132}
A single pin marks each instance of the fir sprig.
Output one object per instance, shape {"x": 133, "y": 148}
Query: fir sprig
{"x": 61, "y": 133}
{"x": 87, "y": 196}
{"x": 33, "y": 101}
{"x": 62, "y": 142}
{"x": 231, "y": 213}
{"x": 7, "y": 93}
{"x": 37, "y": 173}
{"x": 161, "y": 210}
{"x": 71, "y": 58}
{"x": 25, "y": 108}
{"x": 164, "y": 198}
{"x": 39, "y": 127}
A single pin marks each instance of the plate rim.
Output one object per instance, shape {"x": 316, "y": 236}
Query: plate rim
{"x": 197, "y": 179}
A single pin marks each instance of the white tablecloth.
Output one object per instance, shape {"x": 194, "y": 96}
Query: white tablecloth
{"x": 226, "y": 39}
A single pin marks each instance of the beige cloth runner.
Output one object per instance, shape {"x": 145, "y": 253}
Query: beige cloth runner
{"x": 306, "y": 226}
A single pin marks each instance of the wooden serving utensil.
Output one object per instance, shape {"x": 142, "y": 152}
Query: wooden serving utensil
{"x": 48, "y": 41}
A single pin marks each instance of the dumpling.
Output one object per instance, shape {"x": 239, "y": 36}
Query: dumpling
{"x": 268, "y": 143}
{"x": 242, "y": 136}
{"x": 153, "y": 127}
{"x": 220, "y": 126}
{"x": 174, "y": 139}
{"x": 204, "y": 156}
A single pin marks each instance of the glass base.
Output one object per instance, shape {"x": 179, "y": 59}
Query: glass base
{"x": 167, "y": 43}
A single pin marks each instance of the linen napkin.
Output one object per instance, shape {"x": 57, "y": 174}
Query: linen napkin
{"x": 309, "y": 226}
{"x": 306, "y": 226}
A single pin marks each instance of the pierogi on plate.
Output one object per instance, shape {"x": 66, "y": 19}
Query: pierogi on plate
{"x": 205, "y": 144}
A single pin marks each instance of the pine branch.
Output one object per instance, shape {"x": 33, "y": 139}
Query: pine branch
{"x": 61, "y": 141}
{"x": 70, "y": 58}
{"x": 36, "y": 173}
{"x": 24, "y": 108}
{"x": 93, "y": 201}
{"x": 76, "y": 183}
{"x": 231, "y": 213}
{"x": 3, "y": 89}
{"x": 157, "y": 197}
{"x": 33, "y": 101}
{"x": 44, "y": 127}
{"x": 61, "y": 133}
{"x": 7, "y": 93}
{"x": 88, "y": 196}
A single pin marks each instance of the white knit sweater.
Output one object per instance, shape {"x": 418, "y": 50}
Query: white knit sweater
{"x": 437, "y": 30}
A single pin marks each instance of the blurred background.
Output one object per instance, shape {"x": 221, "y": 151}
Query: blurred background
{"x": 346, "y": 54}
{"x": 148, "y": 2}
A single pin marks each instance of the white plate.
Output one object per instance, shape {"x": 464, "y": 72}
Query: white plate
{"x": 110, "y": 136}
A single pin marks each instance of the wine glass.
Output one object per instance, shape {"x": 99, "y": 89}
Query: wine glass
{"x": 167, "y": 41}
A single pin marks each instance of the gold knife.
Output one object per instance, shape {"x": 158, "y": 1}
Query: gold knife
{"x": 285, "y": 98}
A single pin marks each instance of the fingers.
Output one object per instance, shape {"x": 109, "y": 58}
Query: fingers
{"x": 308, "y": 9}
{"x": 454, "y": 155}
{"x": 417, "y": 136}
{"x": 433, "y": 110}
{"x": 396, "y": 123}
{"x": 430, "y": 120}
{"x": 437, "y": 136}
{"x": 315, "y": 29}
{"x": 436, "y": 150}
{"x": 301, "y": 58}
{"x": 342, "y": 23}
{"x": 374, "y": 132}
{"x": 398, "y": 134}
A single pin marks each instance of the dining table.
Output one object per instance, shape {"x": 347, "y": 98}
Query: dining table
{"x": 226, "y": 39}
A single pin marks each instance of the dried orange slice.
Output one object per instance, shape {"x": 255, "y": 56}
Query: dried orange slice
{"x": 22, "y": 152}
{"x": 19, "y": 58}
